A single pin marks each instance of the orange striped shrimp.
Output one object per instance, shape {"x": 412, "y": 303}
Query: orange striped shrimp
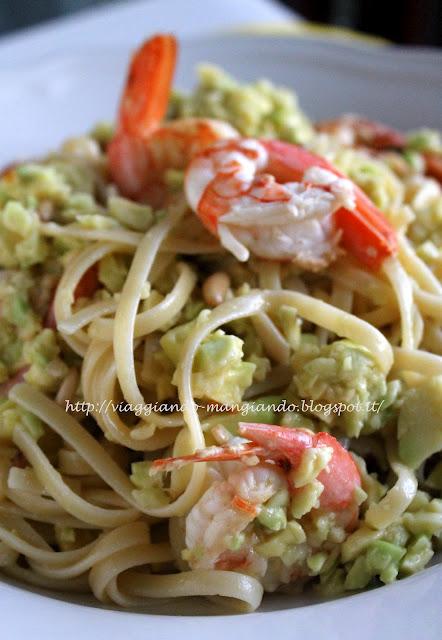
{"x": 229, "y": 506}
{"x": 144, "y": 147}
{"x": 354, "y": 130}
{"x": 224, "y": 511}
{"x": 281, "y": 202}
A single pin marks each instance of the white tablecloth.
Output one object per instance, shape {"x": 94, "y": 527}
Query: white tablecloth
{"x": 127, "y": 23}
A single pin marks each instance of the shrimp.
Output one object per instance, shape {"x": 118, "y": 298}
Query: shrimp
{"x": 433, "y": 165}
{"x": 286, "y": 447}
{"x": 281, "y": 202}
{"x": 143, "y": 147}
{"x": 269, "y": 198}
{"x": 354, "y": 130}
{"x": 224, "y": 511}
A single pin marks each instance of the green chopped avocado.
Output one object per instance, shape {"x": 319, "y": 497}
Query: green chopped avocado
{"x": 34, "y": 182}
{"x": 235, "y": 541}
{"x": 43, "y": 349}
{"x": 424, "y": 140}
{"x": 71, "y": 176}
{"x": 172, "y": 341}
{"x": 130, "y": 214}
{"x": 79, "y": 204}
{"x": 373, "y": 176}
{"x": 16, "y": 311}
{"x": 112, "y": 272}
{"x": 381, "y": 553}
{"x": 219, "y": 372}
{"x": 290, "y": 324}
{"x": 95, "y": 221}
{"x": 19, "y": 310}
{"x": 42, "y": 353}
{"x": 20, "y": 242}
{"x": 19, "y": 323}
{"x": 148, "y": 491}
{"x": 282, "y": 543}
{"x": 344, "y": 376}
{"x": 258, "y": 109}
{"x": 11, "y": 415}
{"x": 273, "y": 514}
{"x": 381, "y": 559}
{"x": 263, "y": 410}
{"x": 420, "y": 422}
{"x": 419, "y": 553}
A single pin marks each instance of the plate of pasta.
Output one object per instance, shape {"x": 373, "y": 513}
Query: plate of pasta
{"x": 221, "y": 339}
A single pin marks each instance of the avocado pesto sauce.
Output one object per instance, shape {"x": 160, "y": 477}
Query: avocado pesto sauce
{"x": 189, "y": 416}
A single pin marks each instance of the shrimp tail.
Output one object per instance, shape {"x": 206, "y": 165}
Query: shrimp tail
{"x": 280, "y": 442}
{"x": 210, "y": 454}
{"x": 365, "y": 233}
{"x": 146, "y": 95}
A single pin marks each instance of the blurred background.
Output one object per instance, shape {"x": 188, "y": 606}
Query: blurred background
{"x": 401, "y": 21}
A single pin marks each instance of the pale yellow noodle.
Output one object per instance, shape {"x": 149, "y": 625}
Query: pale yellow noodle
{"x": 337, "y": 321}
{"x": 68, "y": 499}
{"x": 274, "y": 342}
{"x": 120, "y": 236}
{"x": 105, "y": 571}
{"x": 86, "y": 315}
{"x": 390, "y": 508}
{"x": 403, "y": 290}
{"x": 153, "y": 319}
{"x": 125, "y": 315}
{"x": 247, "y": 591}
{"x": 64, "y": 296}
{"x": 381, "y": 316}
{"x": 365, "y": 283}
{"x": 77, "y": 437}
{"x": 231, "y": 310}
{"x": 27, "y": 576}
{"x": 429, "y": 304}
{"x": 417, "y": 268}
{"x": 69, "y": 564}
{"x": 416, "y": 360}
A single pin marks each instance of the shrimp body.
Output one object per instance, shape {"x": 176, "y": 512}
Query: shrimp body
{"x": 221, "y": 531}
{"x": 144, "y": 147}
{"x": 138, "y": 163}
{"x": 224, "y": 511}
{"x": 354, "y": 130}
{"x": 281, "y": 202}
{"x": 230, "y": 189}
{"x": 286, "y": 447}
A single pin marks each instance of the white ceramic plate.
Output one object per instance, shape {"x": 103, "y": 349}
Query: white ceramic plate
{"x": 46, "y": 101}
{"x": 49, "y": 100}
